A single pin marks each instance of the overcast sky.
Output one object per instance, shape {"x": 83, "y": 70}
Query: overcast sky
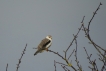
{"x": 29, "y": 21}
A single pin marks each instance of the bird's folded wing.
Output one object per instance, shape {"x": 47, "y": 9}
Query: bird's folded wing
{"x": 44, "y": 43}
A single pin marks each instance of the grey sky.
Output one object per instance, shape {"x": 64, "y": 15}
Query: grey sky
{"x": 29, "y": 21}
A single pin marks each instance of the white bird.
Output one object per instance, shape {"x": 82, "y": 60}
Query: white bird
{"x": 44, "y": 44}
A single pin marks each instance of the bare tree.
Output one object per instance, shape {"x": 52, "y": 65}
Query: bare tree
{"x": 93, "y": 63}
{"x": 102, "y": 56}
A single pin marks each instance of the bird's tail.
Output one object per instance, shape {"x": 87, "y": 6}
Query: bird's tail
{"x": 36, "y": 53}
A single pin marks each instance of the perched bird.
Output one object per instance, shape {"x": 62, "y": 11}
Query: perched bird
{"x": 44, "y": 44}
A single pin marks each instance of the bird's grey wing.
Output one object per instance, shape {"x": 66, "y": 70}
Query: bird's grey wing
{"x": 44, "y": 43}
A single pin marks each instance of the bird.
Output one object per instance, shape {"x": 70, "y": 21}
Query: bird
{"x": 44, "y": 45}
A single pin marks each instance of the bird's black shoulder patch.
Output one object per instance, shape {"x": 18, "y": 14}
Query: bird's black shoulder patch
{"x": 46, "y": 43}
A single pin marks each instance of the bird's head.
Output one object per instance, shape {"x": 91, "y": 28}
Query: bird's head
{"x": 49, "y": 37}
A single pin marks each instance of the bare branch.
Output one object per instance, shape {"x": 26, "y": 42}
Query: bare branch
{"x": 76, "y": 56}
{"x": 93, "y": 16}
{"x": 21, "y": 58}
{"x": 56, "y": 54}
{"x": 62, "y": 58}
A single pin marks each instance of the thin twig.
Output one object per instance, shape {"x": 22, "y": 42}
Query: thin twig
{"x": 61, "y": 63}
{"x": 76, "y": 56}
{"x": 7, "y": 67}
{"x": 93, "y": 16}
{"x": 65, "y": 68}
{"x": 99, "y": 46}
{"x": 83, "y": 19}
{"x": 91, "y": 62}
{"x": 55, "y": 64}
{"x": 71, "y": 54}
{"x": 21, "y": 58}
{"x": 88, "y": 57}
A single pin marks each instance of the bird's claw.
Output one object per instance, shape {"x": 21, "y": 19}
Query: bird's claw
{"x": 47, "y": 49}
